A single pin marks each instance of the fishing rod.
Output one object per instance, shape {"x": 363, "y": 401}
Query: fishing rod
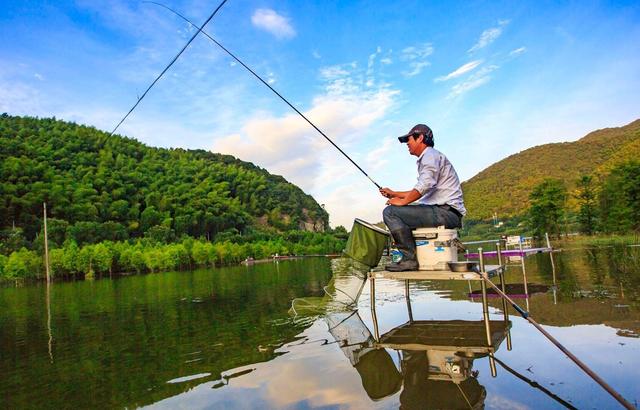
{"x": 200, "y": 30}
{"x": 167, "y": 67}
{"x": 553, "y": 340}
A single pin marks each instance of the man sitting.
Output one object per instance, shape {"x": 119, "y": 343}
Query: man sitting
{"x": 435, "y": 200}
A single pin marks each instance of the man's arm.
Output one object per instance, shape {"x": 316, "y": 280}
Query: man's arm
{"x": 405, "y": 199}
{"x": 389, "y": 193}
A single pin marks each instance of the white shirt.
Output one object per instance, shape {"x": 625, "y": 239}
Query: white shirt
{"x": 438, "y": 182}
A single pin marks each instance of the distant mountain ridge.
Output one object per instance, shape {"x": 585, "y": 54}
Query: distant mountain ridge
{"x": 504, "y": 187}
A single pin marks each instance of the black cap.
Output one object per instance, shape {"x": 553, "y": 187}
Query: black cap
{"x": 417, "y": 130}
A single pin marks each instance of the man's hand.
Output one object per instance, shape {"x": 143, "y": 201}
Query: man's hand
{"x": 388, "y": 193}
{"x": 396, "y": 201}
{"x": 402, "y": 198}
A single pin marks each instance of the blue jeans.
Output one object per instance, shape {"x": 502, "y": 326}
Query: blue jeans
{"x": 401, "y": 220}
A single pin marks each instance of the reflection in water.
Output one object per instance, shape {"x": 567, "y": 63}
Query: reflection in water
{"x": 341, "y": 293}
{"x": 48, "y": 301}
{"x": 436, "y": 359}
{"x": 222, "y": 338}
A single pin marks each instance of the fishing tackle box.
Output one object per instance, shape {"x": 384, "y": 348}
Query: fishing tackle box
{"x": 435, "y": 247}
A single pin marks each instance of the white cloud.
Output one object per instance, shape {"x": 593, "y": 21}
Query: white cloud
{"x": 20, "y": 99}
{"x": 488, "y": 36}
{"x": 473, "y": 81}
{"x": 355, "y": 197}
{"x": 272, "y": 22}
{"x": 460, "y": 70}
{"x": 316, "y": 55}
{"x": 345, "y": 111}
{"x": 518, "y": 51}
{"x": 377, "y": 158}
{"x": 417, "y": 52}
{"x": 386, "y": 60}
{"x": 287, "y": 145}
{"x": 416, "y": 57}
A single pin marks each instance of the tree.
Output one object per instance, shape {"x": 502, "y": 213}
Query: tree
{"x": 547, "y": 207}
{"x": 341, "y": 232}
{"x": 11, "y": 240}
{"x": 620, "y": 198}
{"x": 159, "y": 234}
{"x": 586, "y": 196}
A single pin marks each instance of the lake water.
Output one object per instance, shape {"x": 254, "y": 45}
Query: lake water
{"x": 226, "y": 338}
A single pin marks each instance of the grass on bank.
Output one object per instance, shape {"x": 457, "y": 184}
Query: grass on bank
{"x": 600, "y": 240}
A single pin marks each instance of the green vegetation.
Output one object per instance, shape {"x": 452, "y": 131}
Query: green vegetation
{"x": 547, "y": 207}
{"x": 587, "y": 196}
{"x": 505, "y": 186}
{"x": 116, "y": 205}
{"x": 144, "y": 255}
{"x": 612, "y": 207}
{"x": 620, "y": 198}
{"x": 112, "y": 188}
{"x": 476, "y": 230}
{"x": 608, "y": 208}
{"x": 601, "y": 240}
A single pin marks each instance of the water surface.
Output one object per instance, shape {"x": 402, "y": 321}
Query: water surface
{"x": 224, "y": 338}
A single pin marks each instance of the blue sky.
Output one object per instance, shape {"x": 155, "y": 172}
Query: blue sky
{"x": 490, "y": 78}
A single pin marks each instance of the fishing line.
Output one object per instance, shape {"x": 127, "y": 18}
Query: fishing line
{"x": 168, "y": 66}
{"x": 200, "y": 30}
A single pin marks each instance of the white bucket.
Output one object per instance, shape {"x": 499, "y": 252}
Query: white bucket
{"x": 435, "y": 247}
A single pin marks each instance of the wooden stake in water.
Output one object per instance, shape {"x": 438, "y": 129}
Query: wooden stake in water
{"x": 46, "y": 243}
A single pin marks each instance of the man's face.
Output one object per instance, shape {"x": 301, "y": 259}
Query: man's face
{"x": 414, "y": 143}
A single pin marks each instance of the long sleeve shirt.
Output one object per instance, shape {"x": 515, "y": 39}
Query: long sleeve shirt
{"x": 438, "y": 182}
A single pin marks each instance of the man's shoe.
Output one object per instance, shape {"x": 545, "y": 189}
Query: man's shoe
{"x": 403, "y": 266}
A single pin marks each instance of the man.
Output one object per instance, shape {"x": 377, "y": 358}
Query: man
{"x": 436, "y": 199}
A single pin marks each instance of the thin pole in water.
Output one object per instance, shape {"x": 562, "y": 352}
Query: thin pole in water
{"x": 46, "y": 243}
{"x": 200, "y": 30}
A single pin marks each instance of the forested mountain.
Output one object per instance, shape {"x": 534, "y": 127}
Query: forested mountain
{"x": 117, "y": 188}
{"x": 504, "y": 187}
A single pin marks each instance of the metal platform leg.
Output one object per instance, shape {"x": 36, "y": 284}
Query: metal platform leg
{"x": 524, "y": 276}
{"x": 505, "y": 307}
{"x": 485, "y": 314}
{"x": 372, "y": 298}
{"x": 408, "y": 298}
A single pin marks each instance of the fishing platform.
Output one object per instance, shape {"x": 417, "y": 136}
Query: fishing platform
{"x": 490, "y": 330}
{"x": 437, "y": 252}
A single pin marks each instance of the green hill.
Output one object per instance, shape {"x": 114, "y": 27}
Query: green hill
{"x": 118, "y": 188}
{"x": 504, "y": 187}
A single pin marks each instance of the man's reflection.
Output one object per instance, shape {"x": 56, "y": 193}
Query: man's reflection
{"x": 427, "y": 386}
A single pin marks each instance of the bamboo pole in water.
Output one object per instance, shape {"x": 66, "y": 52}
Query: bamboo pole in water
{"x": 46, "y": 244}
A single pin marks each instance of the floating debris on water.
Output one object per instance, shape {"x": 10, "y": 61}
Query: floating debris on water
{"x": 628, "y": 333}
{"x": 188, "y": 378}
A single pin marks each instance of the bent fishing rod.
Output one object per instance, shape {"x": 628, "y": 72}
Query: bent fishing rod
{"x": 200, "y": 30}
{"x": 168, "y": 66}
{"x": 552, "y": 339}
